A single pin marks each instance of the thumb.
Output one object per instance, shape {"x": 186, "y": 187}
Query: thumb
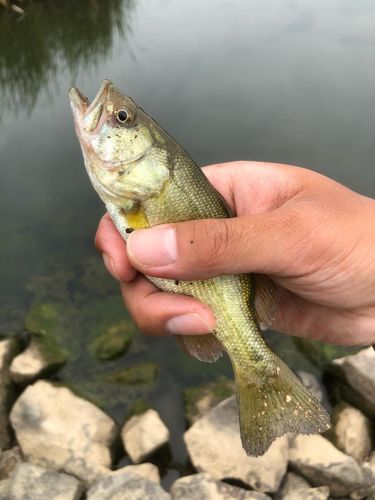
{"x": 202, "y": 249}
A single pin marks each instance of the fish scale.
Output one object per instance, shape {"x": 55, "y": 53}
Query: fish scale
{"x": 146, "y": 178}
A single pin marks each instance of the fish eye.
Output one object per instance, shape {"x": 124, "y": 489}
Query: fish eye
{"x": 123, "y": 116}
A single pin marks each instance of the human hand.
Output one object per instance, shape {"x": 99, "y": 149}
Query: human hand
{"x": 312, "y": 236}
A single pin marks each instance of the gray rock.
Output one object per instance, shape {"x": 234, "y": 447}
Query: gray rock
{"x": 319, "y": 493}
{"x": 324, "y": 465}
{"x": 32, "y": 482}
{"x": 292, "y": 482}
{"x": 126, "y": 486}
{"x": 8, "y": 460}
{"x": 143, "y": 434}
{"x": 312, "y": 382}
{"x": 146, "y": 470}
{"x": 28, "y": 365}
{"x": 351, "y": 432}
{"x": 204, "y": 487}
{"x": 57, "y": 429}
{"x": 214, "y": 446}
{"x": 357, "y": 370}
{"x": 8, "y": 349}
{"x": 368, "y": 491}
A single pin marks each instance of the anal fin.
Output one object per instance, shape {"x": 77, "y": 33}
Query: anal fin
{"x": 267, "y": 299}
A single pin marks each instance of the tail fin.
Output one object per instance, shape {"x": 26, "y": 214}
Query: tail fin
{"x": 275, "y": 406}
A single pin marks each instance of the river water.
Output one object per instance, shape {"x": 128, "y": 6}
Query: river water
{"x": 272, "y": 80}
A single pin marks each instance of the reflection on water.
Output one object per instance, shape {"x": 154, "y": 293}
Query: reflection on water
{"x": 55, "y": 36}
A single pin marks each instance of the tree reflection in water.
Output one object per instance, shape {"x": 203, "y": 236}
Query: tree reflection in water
{"x": 54, "y": 35}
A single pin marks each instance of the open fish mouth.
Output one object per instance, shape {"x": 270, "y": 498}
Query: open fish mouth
{"x": 80, "y": 104}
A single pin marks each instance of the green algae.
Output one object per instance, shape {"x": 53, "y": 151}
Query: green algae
{"x": 139, "y": 374}
{"x": 321, "y": 354}
{"x": 43, "y": 322}
{"x": 138, "y": 407}
{"x": 199, "y": 399}
{"x": 114, "y": 342}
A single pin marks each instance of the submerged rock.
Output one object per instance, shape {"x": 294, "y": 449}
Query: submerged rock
{"x": 32, "y": 482}
{"x": 8, "y": 349}
{"x": 324, "y": 465}
{"x": 8, "y": 461}
{"x": 214, "y": 446}
{"x": 114, "y": 341}
{"x": 127, "y": 485}
{"x": 198, "y": 400}
{"x": 140, "y": 374}
{"x": 319, "y": 353}
{"x": 204, "y": 487}
{"x": 60, "y": 430}
{"x": 143, "y": 434}
{"x": 358, "y": 372}
{"x": 351, "y": 432}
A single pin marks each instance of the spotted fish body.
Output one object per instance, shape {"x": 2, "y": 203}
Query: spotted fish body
{"x": 146, "y": 178}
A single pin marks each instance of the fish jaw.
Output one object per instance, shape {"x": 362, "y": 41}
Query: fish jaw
{"x": 87, "y": 117}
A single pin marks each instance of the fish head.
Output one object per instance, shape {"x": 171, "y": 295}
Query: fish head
{"x": 115, "y": 135}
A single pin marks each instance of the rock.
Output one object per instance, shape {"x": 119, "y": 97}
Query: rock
{"x": 140, "y": 374}
{"x": 32, "y": 482}
{"x": 198, "y": 400}
{"x": 319, "y": 493}
{"x": 324, "y": 465}
{"x": 292, "y": 481}
{"x": 312, "y": 382}
{"x": 351, "y": 432}
{"x": 8, "y": 460}
{"x": 357, "y": 370}
{"x": 137, "y": 408}
{"x": 55, "y": 428}
{"x": 43, "y": 321}
{"x": 8, "y": 349}
{"x": 147, "y": 471}
{"x": 31, "y": 364}
{"x": 204, "y": 487}
{"x": 44, "y": 354}
{"x": 143, "y": 434}
{"x": 319, "y": 353}
{"x": 214, "y": 446}
{"x": 368, "y": 491}
{"x": 126, "y": 486}
{"x": 296, "y": 487}
{"x": 114, "y": 341}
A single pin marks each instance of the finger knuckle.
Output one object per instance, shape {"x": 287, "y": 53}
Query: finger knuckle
{"x": 216, "y": 239}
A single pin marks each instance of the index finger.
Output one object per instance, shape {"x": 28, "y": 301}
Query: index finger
{"x": 111, "y": 245}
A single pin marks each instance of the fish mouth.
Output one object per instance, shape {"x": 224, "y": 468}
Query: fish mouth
{"x": 80, "y": 103}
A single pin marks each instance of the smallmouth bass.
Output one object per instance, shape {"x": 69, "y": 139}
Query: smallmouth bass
{"x": 146, "y": 178}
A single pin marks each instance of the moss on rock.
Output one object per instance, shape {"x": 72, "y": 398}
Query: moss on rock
{"x": 114, "y": 341}
{"x": 198, "y": 400}
{"x": 140, "y": 374}
{"x": 321, "y": 354}
{"x": 137, "y": 408}
{"x": 43, "y": 322}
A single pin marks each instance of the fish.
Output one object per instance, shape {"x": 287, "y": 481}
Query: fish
{"x": 145, "y": 178}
